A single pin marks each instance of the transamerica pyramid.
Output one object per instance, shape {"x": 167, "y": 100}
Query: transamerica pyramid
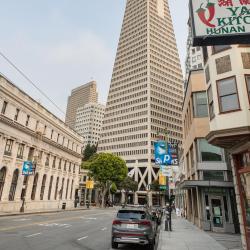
{"x": 146, "y": 91}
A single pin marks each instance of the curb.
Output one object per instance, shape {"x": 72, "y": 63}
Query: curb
{"x": 41, "y": 212}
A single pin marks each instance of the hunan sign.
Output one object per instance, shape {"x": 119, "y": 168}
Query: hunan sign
{"x": 218, "y": 22}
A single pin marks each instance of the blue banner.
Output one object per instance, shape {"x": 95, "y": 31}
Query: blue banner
{"x": 28, "y": 168}
{"x": 162, "y": 153}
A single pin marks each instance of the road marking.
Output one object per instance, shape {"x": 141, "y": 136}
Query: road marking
{"x": 84, "y": 237}
{"x": 2, "y": 229}
{"x": 21, "y": 219}
{"x": 32, "y": 235}
{"x": 103, "y": 229}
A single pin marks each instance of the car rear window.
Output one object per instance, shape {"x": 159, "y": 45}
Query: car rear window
{"x": 131, "y": 214}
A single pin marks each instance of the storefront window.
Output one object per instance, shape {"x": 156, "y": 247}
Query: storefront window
{"x": 209, "y": 152}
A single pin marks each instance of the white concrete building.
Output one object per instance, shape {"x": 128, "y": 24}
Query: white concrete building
{"x": 227, "y": 71}
{"x": 30, "y": 132}
{"x": 88, "y": 123}
{"x": 146, "y": 92}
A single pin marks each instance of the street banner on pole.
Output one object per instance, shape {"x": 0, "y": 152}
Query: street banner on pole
{"x": 220, "y": 22}
{"x": 162, "y": 179}
{"x": 162, "y": 155}
{"x": 166, "y": 170}
{"x": 28, "y": 168}
{"x": 89, "y": 184}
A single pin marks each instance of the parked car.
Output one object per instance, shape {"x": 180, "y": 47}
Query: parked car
{"x": 133, "y": 225}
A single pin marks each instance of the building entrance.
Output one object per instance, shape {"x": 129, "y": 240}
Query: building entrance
{"x": 217, "y": 214}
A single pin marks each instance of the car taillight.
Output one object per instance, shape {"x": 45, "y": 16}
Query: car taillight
{"x": 145, "y": 223}
{"x": 116, "y": 222}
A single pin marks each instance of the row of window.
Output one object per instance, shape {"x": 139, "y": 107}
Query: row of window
{"x": 53, "y": 135}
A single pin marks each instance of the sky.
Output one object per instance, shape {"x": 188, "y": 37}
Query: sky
{"x": 62, "y": 44}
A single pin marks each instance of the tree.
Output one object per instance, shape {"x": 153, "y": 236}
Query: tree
{"x": 113, "y": 190}
{"x": 105, "y": 169}
{"x": 89, "y": 151}
{"x": 128, "y": 184}
{"x": 155, "y": 186}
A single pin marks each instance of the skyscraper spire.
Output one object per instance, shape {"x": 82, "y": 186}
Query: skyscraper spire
{"x": 146, "y": 90}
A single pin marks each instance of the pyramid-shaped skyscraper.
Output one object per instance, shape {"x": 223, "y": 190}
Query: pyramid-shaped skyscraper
{"x": 146, "y": 91}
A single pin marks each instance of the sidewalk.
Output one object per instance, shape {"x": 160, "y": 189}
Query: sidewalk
{"x": 186, "y": 236}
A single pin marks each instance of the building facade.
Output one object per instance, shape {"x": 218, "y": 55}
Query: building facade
{"x": 227, "y": 70}
{"x": 210, "y": 197}
{"x": 89, "y": 122}
{"x": 29, "y": 132}
{"x": 79, "y": 97}
{"x": 146, "y": 91}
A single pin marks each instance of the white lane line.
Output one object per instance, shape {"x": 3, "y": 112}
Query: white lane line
{"x": 32, "y": 235}
{"x": 84, "y": 237}
{"x": 103, "y": 229}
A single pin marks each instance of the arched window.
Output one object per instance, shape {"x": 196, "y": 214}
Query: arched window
{"x": 56, "y": 189}
{"x": 72, "y": 184}
{"x": 2, "y": 180}
{"x": 13, "y": 185}
{"x": 33, "y": 193}
{"x": 61, "y": 191}
{"x": 43, "y": 187}
{"x": 50, "y": 187}
{"x": 66, "y": 196}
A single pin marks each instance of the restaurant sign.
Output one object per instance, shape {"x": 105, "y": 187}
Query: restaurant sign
{"x": 219, "y": 22}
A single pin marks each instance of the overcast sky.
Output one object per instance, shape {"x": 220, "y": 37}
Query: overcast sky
{"x": 62, "y": 44}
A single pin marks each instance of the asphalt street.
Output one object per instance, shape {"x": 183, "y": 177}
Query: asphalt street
{"x": 72, "y": 230}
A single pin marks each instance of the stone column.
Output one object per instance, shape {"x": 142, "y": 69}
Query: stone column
{"x": 123, "y": 197}
{"x": 135, "y": 198}
{"x": 150, "y": 200}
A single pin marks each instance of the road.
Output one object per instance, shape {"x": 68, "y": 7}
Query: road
{"x": 72, "y": 230}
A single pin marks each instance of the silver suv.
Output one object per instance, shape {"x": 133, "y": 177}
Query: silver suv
{"x": 133, "y": 225}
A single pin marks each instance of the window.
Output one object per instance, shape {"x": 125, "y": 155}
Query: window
{"x": 47, "y": 160}
{"x": 50, "y": 187}
{"x": 248, "y": 86}
{"x": 33, "y": 193}
{"x": 60, "y": 164}
{"x": 219, "y": 48}
{"x": 56, "y": 189}
{"x": 54, "y": 162}
{"x": 2, "y": 180}
{"x": 200, "y": 104}
{"x": 20, "y": 151}
{"x": 51, "y": 136}
{"x": 213, "y": 176}
{"x": 193, "y": 51}
{"x": 4, "y": 107}
{"x": 61, "y": 191}
{"x": 16, "y": 115}
{"x": 43, "y": 187}
{"x": 72, "y": 184}
{"x": 228, "y": 95}
{"x": 27, "y": 121}
{"x": 13, "y": 185}
{"x": 67, "y": 187}
{"x": 210, "y": 102}
{"x": 209, "y": 152}
{"x": 65, "y": 165}
{"x": 8, "y": 147}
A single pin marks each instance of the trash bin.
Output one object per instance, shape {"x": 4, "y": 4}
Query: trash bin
{"x": 64, "y": 205}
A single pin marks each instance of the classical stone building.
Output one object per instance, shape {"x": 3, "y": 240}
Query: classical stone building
{"x": 88, "y": 122}
{"x": 79, "y": 97}
{"x": 227, "y": 70}
{"x": 209, "y": 191}
{"x": 29, "y": 132}
{"x": 146, "y": 91}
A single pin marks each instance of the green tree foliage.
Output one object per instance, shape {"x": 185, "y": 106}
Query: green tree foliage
{"x": 105, "y": 169}
{"x": 155, "y": 186}
{"x": 89, "y": 151}
{"x": 113, "y": 188}
{"x": 128, "y": 185}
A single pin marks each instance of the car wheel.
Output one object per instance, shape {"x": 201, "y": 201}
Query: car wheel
{"x": 114, "y": 244}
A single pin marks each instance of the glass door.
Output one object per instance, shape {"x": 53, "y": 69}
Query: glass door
{"x": 217, "y": 214}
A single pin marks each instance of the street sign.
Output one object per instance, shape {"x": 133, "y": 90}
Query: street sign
{"x": 89, "y": 184}
{"x": 163, "y": 187}
{"x": 220, "y": 22}
{"x": 166, "y": 170}
{"x": 162, "y": 155}
{"x": 28, "y": 168}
